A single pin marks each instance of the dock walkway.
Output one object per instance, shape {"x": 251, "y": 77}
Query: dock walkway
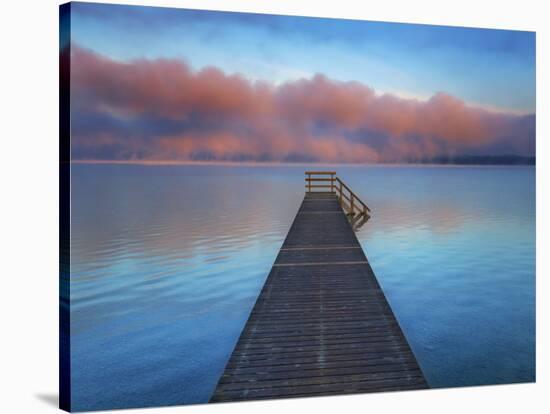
{"x": 321, "y": 324}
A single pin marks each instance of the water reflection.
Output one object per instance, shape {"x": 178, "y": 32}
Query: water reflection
{"x": 168, "y": 260}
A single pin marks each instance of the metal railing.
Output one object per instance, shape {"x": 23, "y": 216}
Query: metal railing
{"x": 356, "y": 210}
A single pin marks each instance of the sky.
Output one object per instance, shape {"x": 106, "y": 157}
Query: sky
{"x": 168, "y": 84}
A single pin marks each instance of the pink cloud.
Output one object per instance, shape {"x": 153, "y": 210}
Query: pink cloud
{"x": 163, "y": 109}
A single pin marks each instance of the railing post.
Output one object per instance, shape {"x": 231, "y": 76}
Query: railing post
{"x": 352, "y": 196}
{"x": 332, "y": 183}
{"x": 309, "y": 183}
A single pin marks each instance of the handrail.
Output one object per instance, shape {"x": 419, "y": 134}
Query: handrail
{"x": 356, "y": 210}
{"x": 309, "y": 180}
{"x": 352, "y": 193}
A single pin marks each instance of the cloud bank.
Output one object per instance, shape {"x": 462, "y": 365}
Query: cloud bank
{"x": 163, "y": 110}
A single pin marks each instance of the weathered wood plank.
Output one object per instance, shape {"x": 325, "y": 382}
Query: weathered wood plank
{"x": 341, "y": 362}
{"x": 340, "y": 386}
{"x": 321, "y": 324}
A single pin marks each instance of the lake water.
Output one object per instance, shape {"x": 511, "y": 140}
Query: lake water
{"x": 167, "y": 262}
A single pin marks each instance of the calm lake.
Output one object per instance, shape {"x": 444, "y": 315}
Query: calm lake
{"x": 167, "y": 262}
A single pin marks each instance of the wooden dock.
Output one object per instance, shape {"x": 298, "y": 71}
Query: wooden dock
{"x": 321, "y": 324}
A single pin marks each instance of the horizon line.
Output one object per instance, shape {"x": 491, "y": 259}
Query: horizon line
{"x": 291, "y": 164}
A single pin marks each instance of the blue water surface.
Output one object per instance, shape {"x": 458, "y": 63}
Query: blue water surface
{"x": 167, "y": 261}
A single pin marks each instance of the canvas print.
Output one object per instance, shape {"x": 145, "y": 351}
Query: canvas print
{"x": 260, "y": 206}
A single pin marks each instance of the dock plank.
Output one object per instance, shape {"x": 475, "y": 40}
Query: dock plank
{"x": 321, "y": 324}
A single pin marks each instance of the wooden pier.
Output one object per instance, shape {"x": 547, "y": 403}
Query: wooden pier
{"x": 321, "y": 324}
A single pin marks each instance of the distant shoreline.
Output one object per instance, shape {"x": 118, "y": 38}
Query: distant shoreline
{"x": 462, "y": 161}
{"x": 481, "y": 160}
